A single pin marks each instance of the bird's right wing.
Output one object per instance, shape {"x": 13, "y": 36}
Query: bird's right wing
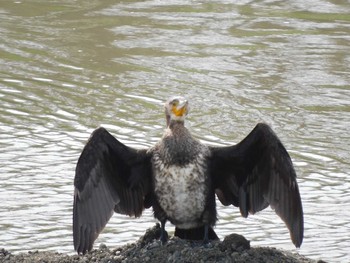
{"x": 109, "y": 176}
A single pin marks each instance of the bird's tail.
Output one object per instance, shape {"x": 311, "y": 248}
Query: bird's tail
{"x": 195, "y": 233}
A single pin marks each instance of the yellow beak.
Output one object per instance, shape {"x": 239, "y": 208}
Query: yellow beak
{"x": 180, "y": 109}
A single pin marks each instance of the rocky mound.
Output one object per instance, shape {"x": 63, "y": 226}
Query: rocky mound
{"x": 234, "y": 248}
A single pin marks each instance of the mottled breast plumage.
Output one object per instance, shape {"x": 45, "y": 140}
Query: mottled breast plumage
{"x": 181, "y": 180}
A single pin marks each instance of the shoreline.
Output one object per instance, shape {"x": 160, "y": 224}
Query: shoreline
{"x": 234, "y": 248}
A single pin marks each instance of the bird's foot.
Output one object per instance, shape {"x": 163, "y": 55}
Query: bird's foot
{"x": 206, "y": 243}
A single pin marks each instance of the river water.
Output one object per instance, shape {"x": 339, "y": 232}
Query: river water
{"x": 68, "y": 67}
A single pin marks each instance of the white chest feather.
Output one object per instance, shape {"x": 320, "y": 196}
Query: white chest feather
{"x": 181, "y": 191}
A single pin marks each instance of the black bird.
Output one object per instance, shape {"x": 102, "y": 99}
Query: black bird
{"x": 179, "y": 177}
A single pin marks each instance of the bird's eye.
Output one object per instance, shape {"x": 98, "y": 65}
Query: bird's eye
{"x": 175, "y": 102}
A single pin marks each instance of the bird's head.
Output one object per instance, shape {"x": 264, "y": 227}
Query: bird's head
{"x": 176, "y": 109}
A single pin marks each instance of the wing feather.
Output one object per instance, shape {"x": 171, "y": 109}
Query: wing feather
{"x": 256, "y": 173}
{"x": 109, "y": 177}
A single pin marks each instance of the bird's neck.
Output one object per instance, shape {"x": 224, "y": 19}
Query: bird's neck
{"x": 176, "y": 130}
{"x": 177, "y": 145}
{"x": 176, "y": 125}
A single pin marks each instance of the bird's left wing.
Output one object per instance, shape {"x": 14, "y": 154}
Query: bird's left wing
{"x": 256, "y": 173}
{"x": 109, "y": 176}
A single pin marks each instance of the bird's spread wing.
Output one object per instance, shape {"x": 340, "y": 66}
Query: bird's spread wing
{"x": 109, "y": 176}
{"x": 256, "y": 173}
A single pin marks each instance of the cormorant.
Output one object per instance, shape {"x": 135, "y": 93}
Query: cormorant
{"x": 179, "y": 178}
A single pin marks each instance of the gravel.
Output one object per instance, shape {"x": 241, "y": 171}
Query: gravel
{"x": 234, "y": 248}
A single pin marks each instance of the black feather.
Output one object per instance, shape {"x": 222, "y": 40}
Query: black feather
{"x": 259, "y": 172}
{"x": 109, "y": 176}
